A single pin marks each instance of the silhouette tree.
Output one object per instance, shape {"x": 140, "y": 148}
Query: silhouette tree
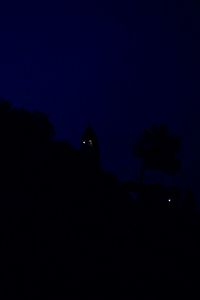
{"x": 158, "y": 150}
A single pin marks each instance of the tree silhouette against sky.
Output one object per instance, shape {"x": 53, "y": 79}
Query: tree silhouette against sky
{"x": 158, "y": 150}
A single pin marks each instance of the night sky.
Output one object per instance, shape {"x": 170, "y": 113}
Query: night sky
{"x": 118, "y": 65}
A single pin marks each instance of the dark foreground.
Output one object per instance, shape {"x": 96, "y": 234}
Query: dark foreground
{"x": 71, "y": 231}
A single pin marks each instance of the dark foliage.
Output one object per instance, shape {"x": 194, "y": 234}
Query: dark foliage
{"x": 69, "y": 231}
{"x": 158, "y": 150}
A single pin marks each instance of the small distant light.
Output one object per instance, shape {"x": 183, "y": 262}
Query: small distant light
{"x": 90, "y": 142}
{"x": 169, "y": 200}
{"x": 83, "y": 142}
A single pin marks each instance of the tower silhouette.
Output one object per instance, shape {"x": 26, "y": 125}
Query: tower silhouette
{"x": 90, "y": 147}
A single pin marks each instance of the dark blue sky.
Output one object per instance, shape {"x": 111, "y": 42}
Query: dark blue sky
{"x": 118, "y": 65}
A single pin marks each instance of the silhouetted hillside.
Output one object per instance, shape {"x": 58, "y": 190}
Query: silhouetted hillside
{"x": 70, "y": 230}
